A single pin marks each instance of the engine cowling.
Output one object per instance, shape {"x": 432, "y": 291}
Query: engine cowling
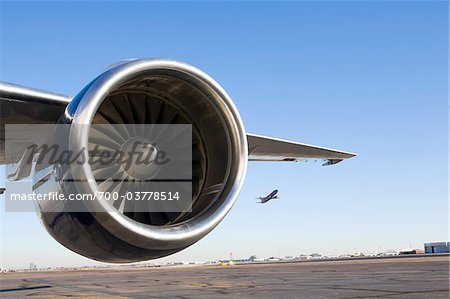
{"x": 156, "y": 92}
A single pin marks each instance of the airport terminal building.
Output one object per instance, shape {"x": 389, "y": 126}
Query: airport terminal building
{"x": 437, "y": 247}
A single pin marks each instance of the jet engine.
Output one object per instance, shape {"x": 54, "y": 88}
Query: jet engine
{"x": 148, "y": 92}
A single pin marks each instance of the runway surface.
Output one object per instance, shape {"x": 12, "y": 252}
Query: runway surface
{"x": 419, "y": 277}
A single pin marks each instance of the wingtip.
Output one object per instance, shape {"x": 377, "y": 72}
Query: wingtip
{"x": 336, "y": 161}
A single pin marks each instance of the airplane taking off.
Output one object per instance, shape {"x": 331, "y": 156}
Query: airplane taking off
{"x": 265, "y": 199}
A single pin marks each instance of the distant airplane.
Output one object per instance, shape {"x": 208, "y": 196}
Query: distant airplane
{"x": 268, "y": 197}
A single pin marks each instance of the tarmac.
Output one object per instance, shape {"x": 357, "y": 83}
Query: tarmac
{"x": 410, "y": 277}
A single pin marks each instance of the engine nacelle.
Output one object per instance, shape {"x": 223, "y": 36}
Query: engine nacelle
{"x": 160, "y": 92}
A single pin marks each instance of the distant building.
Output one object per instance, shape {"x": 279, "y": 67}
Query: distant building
{"x": 273, "y": 258}
{"x": 316, "y": 256}
{"x": 288, "y": 258}
{"x": 437, "y": 247}
{"x": 411, "y": 251}
{"x": 252, "y": 258}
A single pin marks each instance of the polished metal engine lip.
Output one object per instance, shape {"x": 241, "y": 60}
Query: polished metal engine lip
{"x": 146, "y": 236}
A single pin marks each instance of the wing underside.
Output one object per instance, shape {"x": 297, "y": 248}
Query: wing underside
{"x": 263, "y": 148}
{"x": 23, "y": 105}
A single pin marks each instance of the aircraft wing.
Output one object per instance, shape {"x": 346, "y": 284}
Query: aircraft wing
{"x": 263, "y": 148}
{"x": 23, "y": 105}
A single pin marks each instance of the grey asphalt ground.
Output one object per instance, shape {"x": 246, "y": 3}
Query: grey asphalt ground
{"x": 415, "y": 277}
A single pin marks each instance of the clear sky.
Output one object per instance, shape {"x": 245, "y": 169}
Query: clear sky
{"x": 366, "y": 77}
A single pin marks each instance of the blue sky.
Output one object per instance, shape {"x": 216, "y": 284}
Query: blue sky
{"x": 366, "y": 77}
